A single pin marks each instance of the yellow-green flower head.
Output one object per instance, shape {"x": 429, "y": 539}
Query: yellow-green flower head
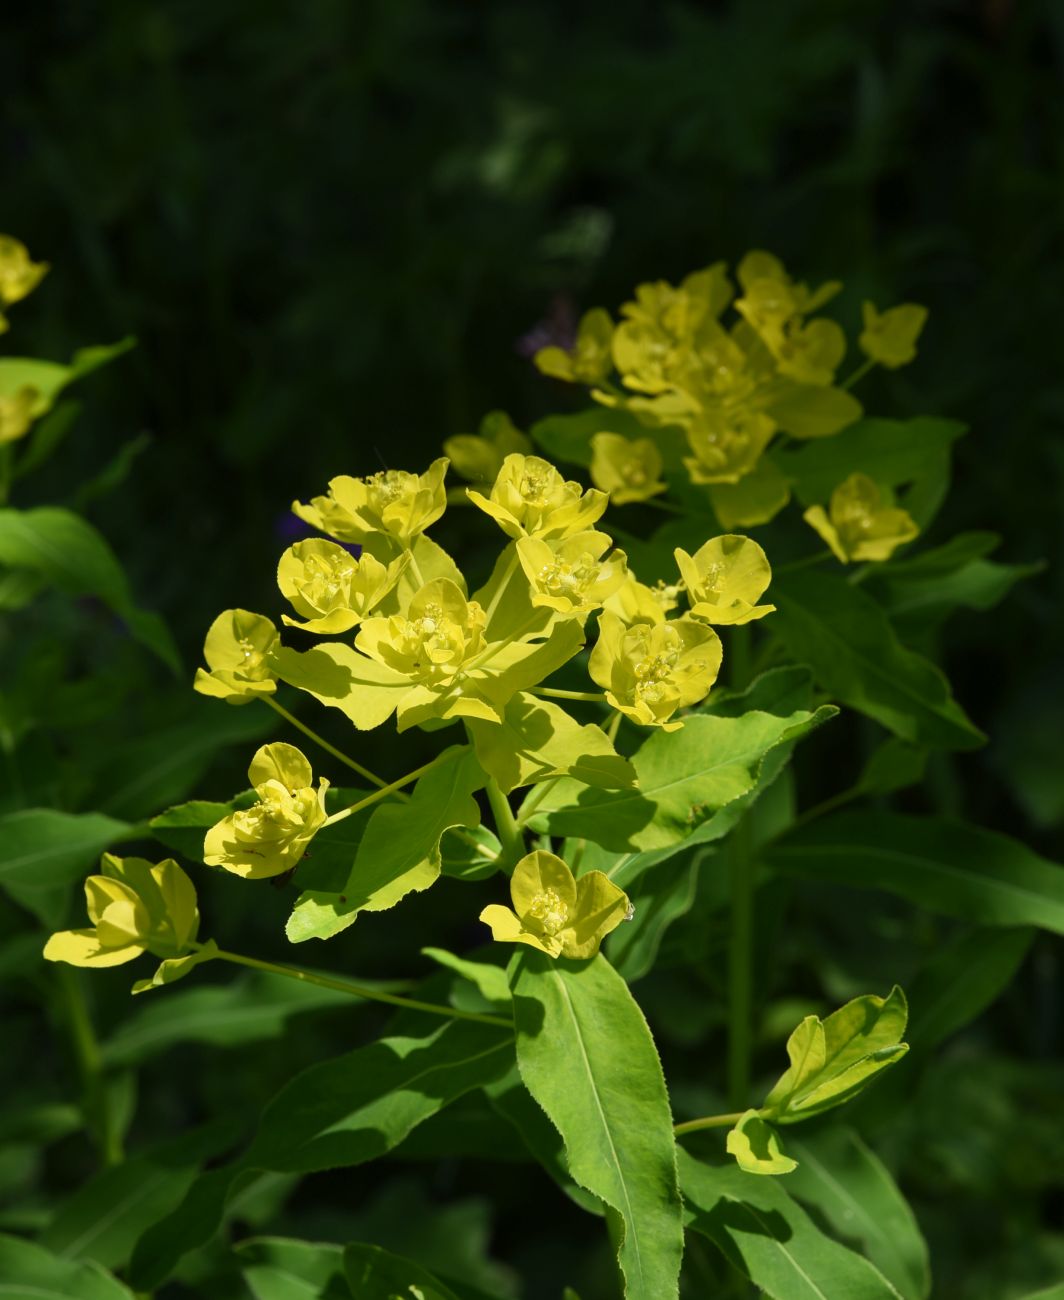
{"x": 19, "y": 275}
{"x": 479, "y": 457}
{"x": 440, "y": 633}
{"x": 810, "y": 352}
{"x": 271, "y": 836}
{"x": 726, "y": 445}
{"x": 635, "y": 602}
{"x": 628, "y": 469}
{"x": 889, "y": 337}
{"x": 554, "y": 912}
{"x": 330, "y": 588}
{"x": 860, "y": 525}
{"x": 394, "y": 502}
{"x": 724, "y": 579}
{"x": 531, "y": 499}
{"x": 17, "y": 413}
{"x": 649, "y": 670}
{"x": 771, "y": 298}
{"x": 134, "y": 907}
{"x": 589, "y": 362}
{"x": 238, "y": 651}
{"x": 570, "y": 575}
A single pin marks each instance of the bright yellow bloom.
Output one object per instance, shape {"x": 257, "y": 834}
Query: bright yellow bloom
{"x": 238, "y": 651}
{"x": 651, "y": 670}
{"x": 134, "y": 908}
{"x": 589, "y": 361}
{"x": 479, "y": 457}
{"x": 330, "y": 588}
{"x": 570, "y": 575}
{"x": 724, "y": 579}
{"x": 889, "y": 337}
{"x": 635, "y": 602}
{"x": 271, "y": 836}
{"x": 394, "y": 502}
{"x": 559, "y": 915}
{"x": 18, "y": 275}
{"x": 628, "y": 469}
{"x": 725, "y": 446}
{"x": 860, "y": 526}
{"x": 531, "y": 499}
{"x": 16, "y": 413}
{"x": 440, "y": 633}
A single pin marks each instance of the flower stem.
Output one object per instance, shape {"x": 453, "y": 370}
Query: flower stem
{"x": 510, "y": 834}
{"x": 364, "y": 772}
{"x": 383, "y": 792}
{"x": 708, "y": 1121}
{"x": 740, "y": 965}
{"x": 859, "y": 373}
{"x": 551, "y": 693}
{"x": 356, "y": 990}
{"x": 614, "y": 726}
{"x": 95, "y": 1103}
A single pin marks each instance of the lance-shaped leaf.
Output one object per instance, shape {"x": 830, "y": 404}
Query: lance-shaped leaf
{"x": 537, "y": 740}
{"x": 685, "y": 778}
{"x": 771, "y": 1240}
{"x": 845, "y": 636}
{"x": 833, "y": 1059}
{"x": 341, "y": 1112}
{"x": 399, "y": 852}
{"x": 376, "y": 1274}
{"x": 280, "y": 1268}
{"x": 29, "y": 1272}
{"x": 586, "y": 1055}
{"x": 42, "y": 850}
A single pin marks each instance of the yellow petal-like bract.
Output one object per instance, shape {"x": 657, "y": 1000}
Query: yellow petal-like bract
{"x": 531, "y": 499}
{"x": 330, "y": 588}
{"x": 858, "y": 525}
{"x": 628, "y": 469}
{"x": 478, "y": 457}
{"x": 571, "y": 575}
{"x": 889, "y": 337}
{"x": 725, "y": 578}
{"x": 238, "y": 649}
{"x": 393, "y": 502}
{"x": 588, "y": 362}
{"x": 19, "y": 275}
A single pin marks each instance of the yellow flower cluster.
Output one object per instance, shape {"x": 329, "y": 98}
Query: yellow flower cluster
{"x": 19, "y": 276}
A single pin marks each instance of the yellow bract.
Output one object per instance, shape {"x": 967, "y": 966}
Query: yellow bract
{"x": 628, "y": 469}
{"x": 725, "y": 578}
{"x": 238, "y": 649}
{"x": 635, "y": 602}
{"x": 394, "y": 502}
{"x": 329, "y": 587}
{"x": 16, "y": 413}
{"x": 19, "y": 275}
{"x": 440, "y": 632}
{"x": 649, "y": 670}
{"x": 570, "y": 575}
{"x": 889, "y": 337}
{"x": 531, "y": 499}
{"x": 134, "y": 908}
{"x": 860, "y": 526}
{"x": 271, "y": 836}
{"x": 479, "y": 457}
{"x": 726, "y": 446}
{"x": 588, "y": 362}
{"x": 553, "y": 911}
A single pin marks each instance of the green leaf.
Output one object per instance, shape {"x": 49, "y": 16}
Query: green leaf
{"x": 848, "y": 1185}
{"x": 686, "y": 777}
{"x": 755, "y": 499}
{"x": 376, "y": 1274}
{"x": 29, "y": 1272}
{"x": 340, "y": 1112}
{"x": 895, "y": 765}
{"x": 182, "y": 827}
{"x": 586, "y": 1055}
{"x": 809, "y": 411}
{"x": 114, "y": 473}
{"x": 834, "y": 1059}
{"x": 337, "y": 675}
{"x": 568, "y": 437}
{"x": 756, "y": 1147}
{"x": 72, "y": 556}
{"x": 470, "y": 854}
{"x": 659, "y": 898}
{"x": 490, "y": 980}
{"x": 537, "y": 740}
{"x": 277, "y": 1268}
{"x": 42, "y": 850}
{"x": 847, "y": 639}
{"x": 50, "y": 377}
{"x": 769, "y": 1238}
{"x": 944, "y": 866}
{"x": 399, "y": 851}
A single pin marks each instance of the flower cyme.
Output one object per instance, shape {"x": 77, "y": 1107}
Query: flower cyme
{"x": 530, "y": 498}
{"x": 859, "y": 524}
{"x": 588, "y": 361}
{"x": 726, "y": 445}
{"x": 19, "y": 275}
{"x": 649, "y": 670}
{"x": 555, "y": 912}
{"x": 393, "y": 502}
{"x": 570, "y": 575}
{"x": 439, "y": 633}
{"x": 272, "y": 835}
{"x": 329, "y": 587}
{"x": 724, "y": 579}
{"x": 628, "y": 469}
{"x": 238, "y": 651}
{"x": 478, "y": 457}
{"x": 889, "y": 337}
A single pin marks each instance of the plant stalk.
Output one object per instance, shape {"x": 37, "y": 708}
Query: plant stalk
{"x": 708, "y": 1121}
{"x": 509, "y": 832}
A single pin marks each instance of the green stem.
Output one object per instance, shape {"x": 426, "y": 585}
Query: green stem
{"x": 859, "y": 373}
{"x": 7, "y": 453}
{"x": 356, "y": 990}
{"x": 551, "y": 693}
{"x": 740, "y": 966}
{"x": 804, "y": 563}
{"x": 504, "y": 582}
{"x": 509, "y": 832}
{"x": 709, "y": 1121}
{"x": 363, "y": 772}
{"x": 667, "y": 506}
{"x": 96, "y": 1106}
{"x": 383, "y": 792}
{"x": 614, "y": 726}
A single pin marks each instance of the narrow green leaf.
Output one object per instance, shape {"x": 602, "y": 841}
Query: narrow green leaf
{"x": 845, "y": 636}
{"x": 29, "y": 1272}
{"x": 659, "y": 899}
{"x": 770, "y": 1238}
{"x": 277, "y": 1268}
{"x": 376, "y": 1274}
{"x": 945, "y": 866}
{"x": 586, "y": 1055}
{"x": 848, "y": 1184}
{"x": 42, "y": 847}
